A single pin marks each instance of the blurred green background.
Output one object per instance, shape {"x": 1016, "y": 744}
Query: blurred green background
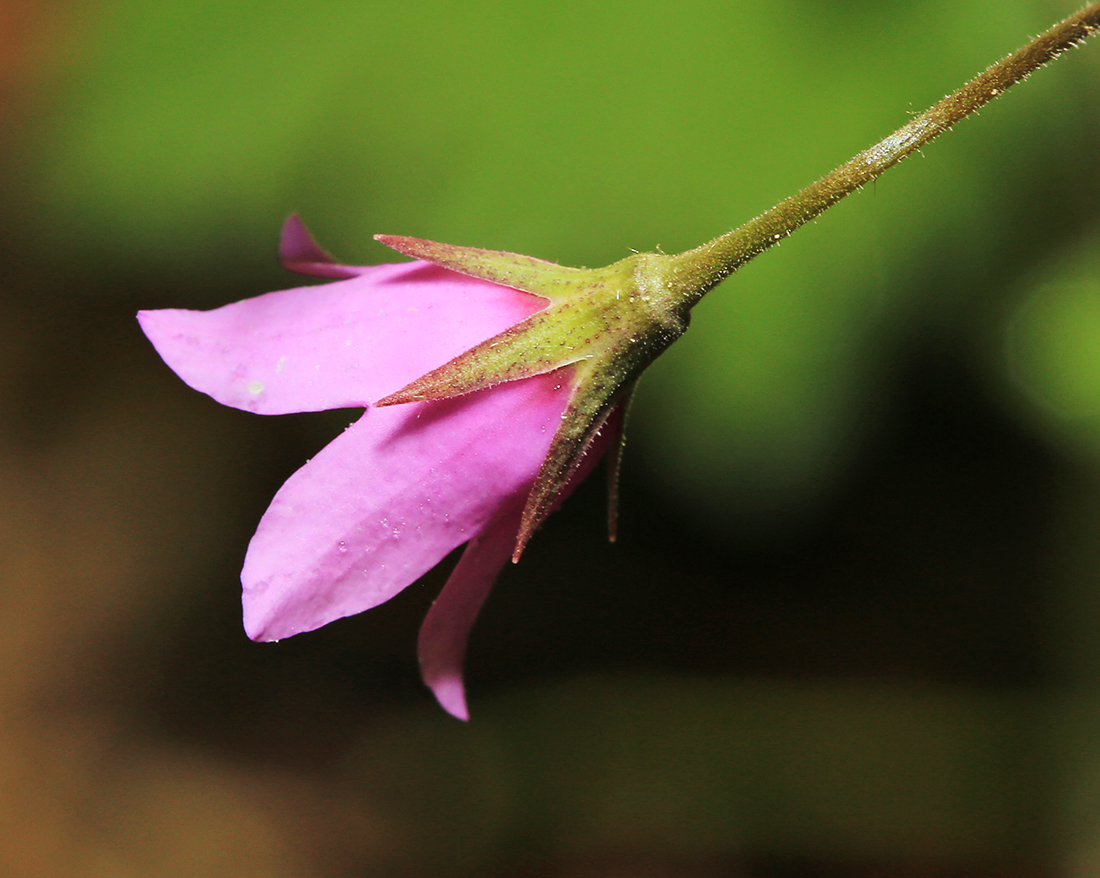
{"x": 852, "y": 624}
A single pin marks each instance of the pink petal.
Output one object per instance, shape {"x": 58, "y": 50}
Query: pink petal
{"x": 301, "y": 254}
{"x": 446, "y": 629}
{"x": 445, "y": 632}
{"x": 389, "y": 498}
{"x": 337, "y": 345}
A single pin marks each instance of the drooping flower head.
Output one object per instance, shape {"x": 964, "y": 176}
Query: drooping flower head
{"x": 492, "y": 382}
{"x": 488, "y": 394}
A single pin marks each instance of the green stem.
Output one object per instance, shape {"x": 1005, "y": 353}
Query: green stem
{"x": 696, "y": 272}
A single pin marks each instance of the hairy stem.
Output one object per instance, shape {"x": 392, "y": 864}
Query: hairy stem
{"x": 696, "y": 272}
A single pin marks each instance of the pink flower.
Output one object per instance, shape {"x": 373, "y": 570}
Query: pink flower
{"x": 406, "y": 483}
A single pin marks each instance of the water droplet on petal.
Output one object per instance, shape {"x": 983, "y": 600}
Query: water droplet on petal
{"x": 342, "y": 548}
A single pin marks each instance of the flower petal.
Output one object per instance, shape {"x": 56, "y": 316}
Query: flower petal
{"x": 389, "y": 498}
{"x": 301, "y": 254}
{"x": 446, "y": 629}
{"x": 445, "y": 633}
{"x": 337, "y": 345}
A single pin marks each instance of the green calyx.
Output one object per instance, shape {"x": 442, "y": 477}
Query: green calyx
{"x": 606, "y": 324}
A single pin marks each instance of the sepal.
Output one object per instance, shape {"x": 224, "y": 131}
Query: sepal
{"x": 526, "y": 273}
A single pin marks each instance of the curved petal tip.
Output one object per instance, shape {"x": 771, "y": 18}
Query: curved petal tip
{"x": 446, "y": 628}
{"x": 302, "y": 255}
{"x": 450, "y": 692}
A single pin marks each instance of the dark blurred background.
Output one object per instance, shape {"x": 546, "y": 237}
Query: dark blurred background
{"x": 852, "y": 623}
